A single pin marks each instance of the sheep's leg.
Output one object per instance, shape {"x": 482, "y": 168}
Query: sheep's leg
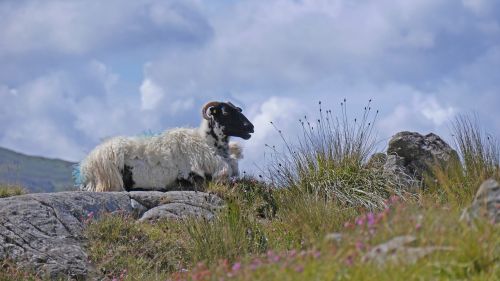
{"x": 127, "y": 177}
{"x": 223, "y": 175}
{"x": 193, "y": 181}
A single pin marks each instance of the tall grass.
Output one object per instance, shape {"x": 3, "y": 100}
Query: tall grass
{"x": 8, "y": 190}
{"x": 232, "y": 234}
{"x": 302, "y": 221}
{"x": 479, "y": 155}
{"x": 120, "y": 246}
{"x": 465, "y": 253}
{"x": 329, "y": 160}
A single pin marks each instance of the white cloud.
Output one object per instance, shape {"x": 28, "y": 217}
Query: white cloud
{"x": 81, "y": 68}
{"x": 80, "y": 27}
{"x": 44, "y": 138}
{"x": 417, "y": 111}
{"x": 283, "y": 112}
{"x": 432, "y": 110}
{"x": 151, "y": 95}
{"x": 278, "y": 110}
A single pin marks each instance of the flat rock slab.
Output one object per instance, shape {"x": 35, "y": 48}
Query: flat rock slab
{"x": 44, "y": 231}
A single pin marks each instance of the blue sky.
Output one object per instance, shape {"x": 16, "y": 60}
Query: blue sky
{"x": 76, "y": 72}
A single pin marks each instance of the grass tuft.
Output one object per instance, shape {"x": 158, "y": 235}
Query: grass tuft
{"x": 330, "y": 159}
{"x": 9, "y": 271}
{"x": 8, "y": 190}
{"x": 121, "y": 248}
{"x": 479, "y": 160}
{"x": 234, "y": 233}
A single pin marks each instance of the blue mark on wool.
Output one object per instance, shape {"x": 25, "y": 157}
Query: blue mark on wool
{"x": 149, "y": 134}
{"x": 78, "y": 178}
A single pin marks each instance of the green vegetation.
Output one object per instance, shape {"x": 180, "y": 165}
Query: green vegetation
{"x": 479, "y": 160}
{"x": 10, "y": 272}
{"x": 320, "y": 186}
{"x": 7, "y": 190}
{"x": 330, "y": 159}
{"x": 322, "y": 210}
{"x": 36, "y": 174}
{"x": 123, "y": 247}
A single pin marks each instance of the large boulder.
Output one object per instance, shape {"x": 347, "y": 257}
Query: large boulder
{"x": 486, "y": 203}
{"x": 417, "y": 154}
{"x": 44, "y": 232}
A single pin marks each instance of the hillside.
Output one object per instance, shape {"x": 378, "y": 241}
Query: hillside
{"x": 37, "y": 174}
{"x": 327, "y": 209}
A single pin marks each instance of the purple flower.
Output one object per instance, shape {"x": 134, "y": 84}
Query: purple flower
{"x": 349, "y": 260}
{"x": 360, "y": 220}
{"x": 371, "y": 219}
{"x": 272, "y": 257}
{"x": 236, "y": 266}
{"x": 393, "y": 199}
{"x": 360, "y": 245}
{"x": 299, "y": 268}
{"x": 316, "y": 254}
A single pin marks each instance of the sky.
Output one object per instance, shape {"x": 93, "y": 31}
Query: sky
{"x": 73, "y": 73}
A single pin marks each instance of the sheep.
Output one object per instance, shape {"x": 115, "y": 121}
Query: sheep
{"x": 177, "y": 158}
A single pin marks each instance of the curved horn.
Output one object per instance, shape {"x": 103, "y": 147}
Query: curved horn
{"x": 206, "y": 106}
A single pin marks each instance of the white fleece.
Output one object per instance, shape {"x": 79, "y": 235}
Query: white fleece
{"x": 157, "y": 162}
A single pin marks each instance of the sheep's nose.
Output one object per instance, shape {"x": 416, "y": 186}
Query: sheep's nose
{"x": 248, "y": 125}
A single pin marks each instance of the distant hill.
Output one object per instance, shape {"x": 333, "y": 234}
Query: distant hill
{"x": 37, "y": 174}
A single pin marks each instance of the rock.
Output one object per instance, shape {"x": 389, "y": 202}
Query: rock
{"x": 394, "y": 164}
{"x": 335, "y": 236}
{"x": 396, "y": 251}
{"x": 393, "y": 168}
{"x": 44, "y": 232}
{"x": 377, "y": 161}
{"x": 380, "y": 252}
{"x": 410, "y": 156}
{"x": 418, "y": 153}
{"x": 180, "y": 205}
{"x": 486, "y": 203}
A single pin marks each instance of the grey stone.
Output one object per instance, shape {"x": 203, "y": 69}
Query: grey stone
{"x": 377, "y": 161}
{"x": 44, "y": 232}
{"x": 418, "y": 153}
{"x": 335, "y": 236}
{"x": 397, "y": 251}
{"x": 177, "y": 211}
{"x": 138, "y": 208}
{"x": 486, "y": 203}
{"x": 180, "y": 205}
{"x": 394, "y": 164}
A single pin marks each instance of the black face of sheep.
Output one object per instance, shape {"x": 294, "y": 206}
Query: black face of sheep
{"x": 230, "y": 119}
